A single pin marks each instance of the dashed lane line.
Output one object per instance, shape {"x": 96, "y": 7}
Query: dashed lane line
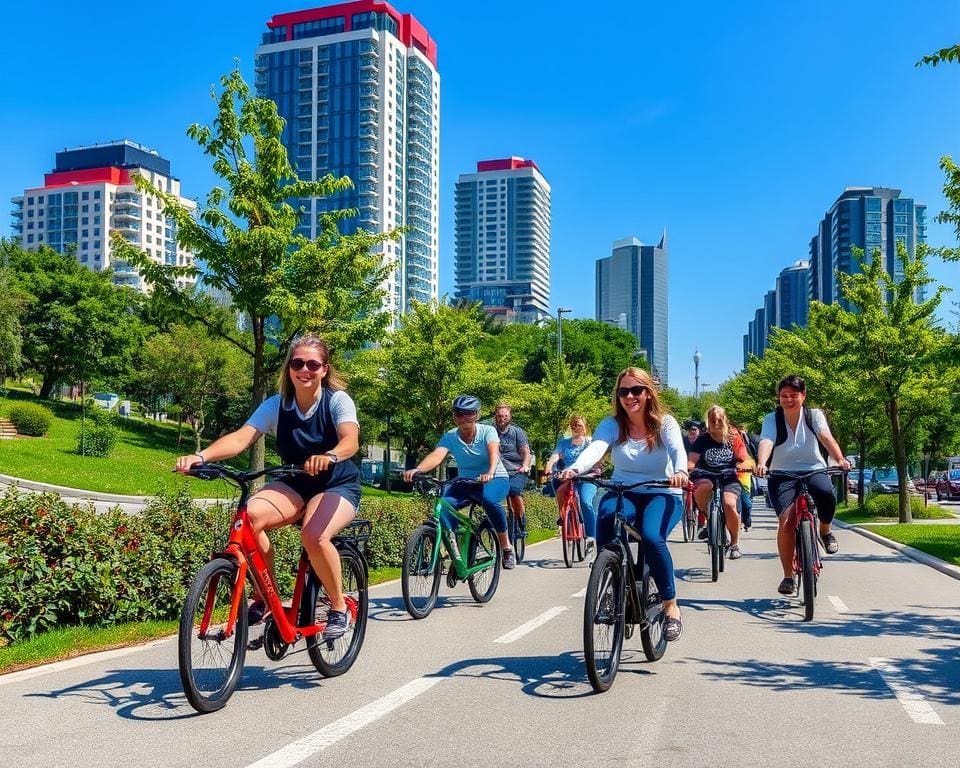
{"x": 531, "y": 625}
{"x": 581, "y": 593}
{"x": 913, "y": 702}
{"x": 300, "y": 750}
{"x": 838, "y": 604}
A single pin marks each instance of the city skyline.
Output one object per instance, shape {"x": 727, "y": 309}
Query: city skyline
{"x": 726, "y": 128}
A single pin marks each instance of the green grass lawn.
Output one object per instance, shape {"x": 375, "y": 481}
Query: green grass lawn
{"x": 856, "y": 516}
{"x": 941, "y": 541}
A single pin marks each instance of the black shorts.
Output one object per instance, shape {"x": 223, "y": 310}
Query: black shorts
{"x": 783, "y": 493}
{"x": 307, "y": 487}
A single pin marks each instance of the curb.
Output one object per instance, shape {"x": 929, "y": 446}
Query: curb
{"x": 914, "y": 554}
{"x": 73, "y": 493}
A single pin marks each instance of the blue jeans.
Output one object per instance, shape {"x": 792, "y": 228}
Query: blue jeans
{"x": 746, "y": 507}
{"x": 490, "y": 498}
{"x": 659, "y": 513}
{"x": 586, "y": 492}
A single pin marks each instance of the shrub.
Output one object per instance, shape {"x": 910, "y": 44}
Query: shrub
{"x": 888, "y": 505}
{"x": 99, "y": 436}
{"x": 31, "y": 419}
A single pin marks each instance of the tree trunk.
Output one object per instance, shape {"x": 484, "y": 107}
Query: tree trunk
{"x": 862, "y": 451}
{"x": 259, "y": 386}
{"x": 49, "y": 382}
{"x": 900, "y": 454}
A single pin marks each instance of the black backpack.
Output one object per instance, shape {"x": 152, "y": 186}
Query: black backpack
{"x": 782, "y": 433}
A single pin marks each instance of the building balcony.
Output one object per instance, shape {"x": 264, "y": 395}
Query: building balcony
{"x": 129, "y": 198}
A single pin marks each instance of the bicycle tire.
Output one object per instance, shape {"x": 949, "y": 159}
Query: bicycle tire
{"x": 484, "y": 543}
{"x": 603, "y": 620}
{"x": 567, "y": 534}
{"x": 808, "y": 585}
{"x": 519, "y": 537}
{"x": 722, "y": 536}
{"x": 652, "y": 636}
{"x": 581, "y": 549}
{"x": 334, "y": 657}
{"x": 713, "y": 542}
{"x": 420, "y": 586}
{"x": 210, "y": 667}
{"x": 689, "y": 525}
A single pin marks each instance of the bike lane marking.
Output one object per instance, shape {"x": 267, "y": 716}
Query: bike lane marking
{"x": 914, "y": 703}
{"x": 581, "y": 593}
{"x": 319, "y": 740}
{"x": 838, "y": 604}
{"x": 531, "y": 625}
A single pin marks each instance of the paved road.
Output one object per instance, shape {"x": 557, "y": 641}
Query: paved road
{"x": 874, "y": 680}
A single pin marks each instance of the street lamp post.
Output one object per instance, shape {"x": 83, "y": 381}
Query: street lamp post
{"x": 560, "y": 313}
{"x": 696, "y": 372}
{"x": 382, "y": 375}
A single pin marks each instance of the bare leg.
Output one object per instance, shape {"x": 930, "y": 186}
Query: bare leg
{"x": 732, "y": 517}
{"x": 273, "y": 506}
{"x": 326, "y": 515}
{"x": 787, "y": 539}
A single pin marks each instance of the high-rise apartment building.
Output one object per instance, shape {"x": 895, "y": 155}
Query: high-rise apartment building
{"x": 358, "y": 87}
{"x": 631, "y": 292}
{"x": 870, "y": 218}
{"x": 89, "y": 195}
{"x": 503, "y": 239}
{"x": 793, "y": 295}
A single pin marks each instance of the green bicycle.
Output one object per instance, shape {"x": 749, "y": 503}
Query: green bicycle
{"x": 423, "y": 557}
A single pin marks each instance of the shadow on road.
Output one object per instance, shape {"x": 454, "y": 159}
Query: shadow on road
{"x": 156, "y": 694}
{"x": 393, "y": 609}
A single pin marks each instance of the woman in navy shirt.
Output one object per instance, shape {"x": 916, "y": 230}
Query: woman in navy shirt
{"x": 315, "y": 424}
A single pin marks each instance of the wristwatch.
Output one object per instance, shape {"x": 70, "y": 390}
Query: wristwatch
{"x": 332, "y": 456}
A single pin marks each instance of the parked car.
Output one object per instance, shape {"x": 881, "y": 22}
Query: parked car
{"x": 886, "y": 480}
{"x": 948, "y": 484}
{"x": 853, "y": 479}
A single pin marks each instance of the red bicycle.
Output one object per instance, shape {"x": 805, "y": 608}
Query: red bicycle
{"x": 572, "y": 531}
{"x": 806, "y": 554}
{"x": 689, "y": 515}
{"x": 213, "y": 623}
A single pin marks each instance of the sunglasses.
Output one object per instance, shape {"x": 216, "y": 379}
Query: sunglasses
{"x": 636, "y": 391}
{"x": 463, "y": 413}
{"x": 311, "y": 365}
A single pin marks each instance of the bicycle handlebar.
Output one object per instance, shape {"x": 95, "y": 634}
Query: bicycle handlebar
{"x": 428, "y": 485}
{"x": 837, "y": 471}
{"x": 214, "y": 471}
{"x": 617, "y": 486}
{"x": 698, "y": 473}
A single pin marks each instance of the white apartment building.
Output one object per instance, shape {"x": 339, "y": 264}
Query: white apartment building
{"x": 89, "y": 195}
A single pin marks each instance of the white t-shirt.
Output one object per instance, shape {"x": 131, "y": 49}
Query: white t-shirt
{"x": 265, "y": 418}
{"x": 801, "y": 451}
{"x": 633, "y": 460}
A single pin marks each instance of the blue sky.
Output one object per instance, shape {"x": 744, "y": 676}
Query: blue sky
{"x": 733, "y": 125}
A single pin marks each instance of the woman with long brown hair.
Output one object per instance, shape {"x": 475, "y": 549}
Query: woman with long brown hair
{"x": 645, "y": 443}
{"x": 315, "y": 423}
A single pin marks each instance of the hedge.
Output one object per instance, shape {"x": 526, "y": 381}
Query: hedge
{"x": 31, "y": 419}
{"x": 63, "y": 565}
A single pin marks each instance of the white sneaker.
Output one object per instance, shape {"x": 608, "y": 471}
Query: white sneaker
{"x": 590, "y": 548}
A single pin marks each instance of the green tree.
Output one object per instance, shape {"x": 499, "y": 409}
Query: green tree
{"x": 77, "y": 325}
{"x": 11, "y": 307}
{"x": 246, "y": 236}
{"x": 196, "y": 369}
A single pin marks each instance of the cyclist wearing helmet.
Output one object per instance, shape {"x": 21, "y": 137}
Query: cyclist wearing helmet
{"x": 476, "y": 450}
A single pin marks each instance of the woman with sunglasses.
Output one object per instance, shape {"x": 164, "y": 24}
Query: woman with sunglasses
{"x": 645, "y": 443}
{"x": 315, "y": 423}
{"x": 476, "y": 450}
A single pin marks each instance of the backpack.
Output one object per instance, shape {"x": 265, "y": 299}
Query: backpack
{"x": 782, "y": 433}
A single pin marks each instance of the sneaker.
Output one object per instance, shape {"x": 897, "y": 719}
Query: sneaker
{"x": 786, "y": 586}
{"x": 589, "y": 547}
{"x": 734, "y": 553}
{"x": 509, "y": 560}
{"x": 702, "y": 534}
{"x": 337, "y": 623}
{"x": 256, "y": 611}
{"x": 830, "y": 543}
{"x": 672, "y": 628}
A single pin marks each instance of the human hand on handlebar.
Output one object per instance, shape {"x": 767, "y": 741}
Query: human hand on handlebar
{"x": 679, "y": 480}
{"x": 184, "y": 463}
{"x": 410, "y": 474}
{"x": 486, "y": 476}
{"x": 760, "y": 470}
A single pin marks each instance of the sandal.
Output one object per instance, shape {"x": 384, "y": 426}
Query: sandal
{"x": 734, "y": 553}
{"x": 786, "y": 586}
{"x": 672, "y": 628}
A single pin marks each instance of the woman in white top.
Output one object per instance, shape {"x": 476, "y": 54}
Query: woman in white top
{"x": 798, "y": 451}
{"x": 645, "y": 444}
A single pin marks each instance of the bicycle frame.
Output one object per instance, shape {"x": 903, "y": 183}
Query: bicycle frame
{"x": 570, "y": 521}
{"x": 806, "y": 511}
{"x": 467, "y": 527}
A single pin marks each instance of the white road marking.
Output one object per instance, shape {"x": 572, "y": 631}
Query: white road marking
{"x": 531, "y": 625}
{"x": 79, "y": 661}
{"x": 914, "y": 703}
{"x": 317, "y": 741}
{"x": 838, "y": 604}
{"x": 581, "y": 593}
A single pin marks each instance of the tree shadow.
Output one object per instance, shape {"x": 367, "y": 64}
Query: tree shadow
{"x": 157, "y": 694}
{"x": 936, "y": 674}
{"x": 393, "y": 608}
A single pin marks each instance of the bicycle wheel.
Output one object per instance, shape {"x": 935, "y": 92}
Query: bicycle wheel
{"x": 210, "y": 660}
{"x": 689, "y": 525}
{"x": 603, "y": 620}
{"x": 420, "y": 584}
{"x": 484, "y": 544}
{"x": 334, "y": 657}
{"x": 652, "y": 638}
{"x": 713, "y": 542}
{"x": 722, "y": 535}
{"x": 568, "y": 533}
{"x": 807, "y": 578}
{"x": 520, "y": 536}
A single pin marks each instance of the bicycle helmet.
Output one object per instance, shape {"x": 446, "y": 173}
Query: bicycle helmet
{"x": 466, "y": 403}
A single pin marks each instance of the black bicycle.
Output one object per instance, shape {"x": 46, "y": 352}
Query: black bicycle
{"x": 716, "y": 518}
{"x": 621, "y": 595}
